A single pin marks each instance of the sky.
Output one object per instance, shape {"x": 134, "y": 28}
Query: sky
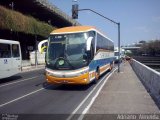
{"x": 139, "y": 19}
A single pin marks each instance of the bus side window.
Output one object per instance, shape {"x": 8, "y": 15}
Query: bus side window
{"x": 5, "y": 50}
{"x": 15, "y": 50}
{"x": 92, "y": 34}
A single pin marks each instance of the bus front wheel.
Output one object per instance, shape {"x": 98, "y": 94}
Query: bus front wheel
{"x": 111, "y": 66}
{"x": 97, "y": 75}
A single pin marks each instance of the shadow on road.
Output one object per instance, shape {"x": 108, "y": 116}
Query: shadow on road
{"x": 67, "y": 87}
{"x": 10, "y": 79}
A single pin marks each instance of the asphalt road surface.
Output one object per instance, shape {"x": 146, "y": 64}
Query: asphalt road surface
{"x": 28, "y": 94}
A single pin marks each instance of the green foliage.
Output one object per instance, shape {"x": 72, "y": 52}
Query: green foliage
{"x": 16, "y": 21}
{"x": 128, "y": 53}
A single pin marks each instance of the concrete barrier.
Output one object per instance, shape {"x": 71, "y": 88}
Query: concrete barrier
{"x": 149, "y": 77}
{"x": 26, "y": 63}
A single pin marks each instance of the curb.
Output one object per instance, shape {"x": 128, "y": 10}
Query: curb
{"x": 32, "y": 68}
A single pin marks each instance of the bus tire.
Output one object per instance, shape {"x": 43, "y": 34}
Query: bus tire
{"x": 111, "y": 66}
{"x": 97, "y": 75}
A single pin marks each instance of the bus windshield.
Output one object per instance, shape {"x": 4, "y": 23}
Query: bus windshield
{"x": 66, "y": 51}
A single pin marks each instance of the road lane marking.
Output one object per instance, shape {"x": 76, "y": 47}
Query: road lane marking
{"x": 84, "y": 100}
{"x": 94, "y": 97}
{"x": 23, "y": 96}
{"x": 18, "y": 81}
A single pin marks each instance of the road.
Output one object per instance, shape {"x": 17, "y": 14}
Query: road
{"x": 28, "y": 93}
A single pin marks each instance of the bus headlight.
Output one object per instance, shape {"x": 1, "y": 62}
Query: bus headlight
{"x": 48, "y": 73}
{"x": 83, "y": 72}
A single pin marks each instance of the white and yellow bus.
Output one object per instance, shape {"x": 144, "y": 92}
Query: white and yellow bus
{"x": 78, "y": 55}
{"x": 10, "y": 58}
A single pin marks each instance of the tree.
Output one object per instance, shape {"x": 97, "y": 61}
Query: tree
{"x": 142, "y": 42}
{"x": 151, "y": 48}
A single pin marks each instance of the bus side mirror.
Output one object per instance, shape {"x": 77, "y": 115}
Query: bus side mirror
{"x": 88, "y": 44}
{"x": 41, "y": 46}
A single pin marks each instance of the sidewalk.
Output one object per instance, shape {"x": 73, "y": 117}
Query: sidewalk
{"x": 124, "y": 94}
{"x": 30, "y": 68}
{"x": 26, "y": 66}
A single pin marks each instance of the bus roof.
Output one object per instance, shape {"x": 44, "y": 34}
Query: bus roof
{"x": 76, "y": 29}
{"x": 9, "y": 41}
{"x": 73, "y": 29}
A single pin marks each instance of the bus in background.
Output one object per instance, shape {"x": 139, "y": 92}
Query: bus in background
{"x": 116, "y": 53}
{"x": 10, "y": 58}
{"x": 78, "y": 55}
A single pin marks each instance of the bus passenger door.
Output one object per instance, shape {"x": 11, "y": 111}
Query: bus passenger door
{"x": 16, "y": 58}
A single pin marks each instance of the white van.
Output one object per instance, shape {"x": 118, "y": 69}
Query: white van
{"x": 10, "y": 58}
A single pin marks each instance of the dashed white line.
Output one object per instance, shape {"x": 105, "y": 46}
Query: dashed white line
{"x": 95, "y": 96}
{"x": 21, "y": 97}
{"x": 18, "y": 81}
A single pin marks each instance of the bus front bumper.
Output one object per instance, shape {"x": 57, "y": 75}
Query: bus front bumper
{"x": 80, "y": 76}
{"x": 82, "y": 79}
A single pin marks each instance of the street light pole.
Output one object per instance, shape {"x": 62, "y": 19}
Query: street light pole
{"x": 36, "y": 51}
{"x": 118, "y": 46}
{"x": 12, "y": 5}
